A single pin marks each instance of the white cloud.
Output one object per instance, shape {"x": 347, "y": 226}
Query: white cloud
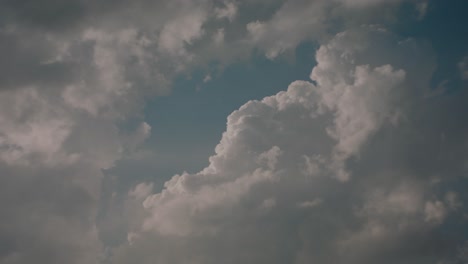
{"x": 253, "y": 195}
{"x": 207, "y": 78}
{"x": 269, "y": 158}
{"x": 298, "y": 21}
{"x": 310, "y": 204}
{"x": 30, "y": 126}
{"x": 75, "y": 77}
{"x": 182, "y": 30}
{"x": 359, "y": 112}
{"x": 435, "y": 212}
{"x": 67, "y": 104}
{"x": 141, "y": 191}
{"x": 112, "y": 88}
{"x": 294, "y": 22}
{"x": 228, "y": 11}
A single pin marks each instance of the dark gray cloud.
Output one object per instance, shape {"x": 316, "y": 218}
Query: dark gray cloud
{"x": 28, "y": 59}
{"x": 46, "y": 15}
{"x": 46, "y": 217}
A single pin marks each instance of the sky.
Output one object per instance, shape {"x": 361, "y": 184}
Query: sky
{"x": 233, "y": 131}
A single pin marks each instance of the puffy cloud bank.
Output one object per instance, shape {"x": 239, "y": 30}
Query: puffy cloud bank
{"x": 358, "y": 165}
{"x": 362, "y": 164}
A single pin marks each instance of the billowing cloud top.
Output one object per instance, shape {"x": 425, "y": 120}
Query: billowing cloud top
{"x": 320, "y": 173}
{"x": 364, "y": 162}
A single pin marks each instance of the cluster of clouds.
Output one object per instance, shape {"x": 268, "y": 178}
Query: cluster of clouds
{"x": 343, "y": 169}
{"x": 357, "y": 165}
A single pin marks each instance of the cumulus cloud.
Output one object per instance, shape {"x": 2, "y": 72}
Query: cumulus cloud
{"x": 294, "y": 22}
{"x": 69, "y": 83}
{"x": 301, "y": 174}
{"x": 297, "y": 21}
{"x": 316, "y": 173}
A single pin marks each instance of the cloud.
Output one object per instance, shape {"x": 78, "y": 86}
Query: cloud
{"x": 69, "y": 85}
{"x": 435, "y": 211}
{"x": 463, "y": 68}
{"x": 75, "y": 77}
{"x": 182, "y": 30}
{"x": 228, "y": 11}
{"x": 297, "y": 21}
{"x": 294, "y": 22}
{"x": 360, "y": 3}
{"x": 47, "y": 217}
{"x": 422, "y": 7}
{"x": 323, "y": 172}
